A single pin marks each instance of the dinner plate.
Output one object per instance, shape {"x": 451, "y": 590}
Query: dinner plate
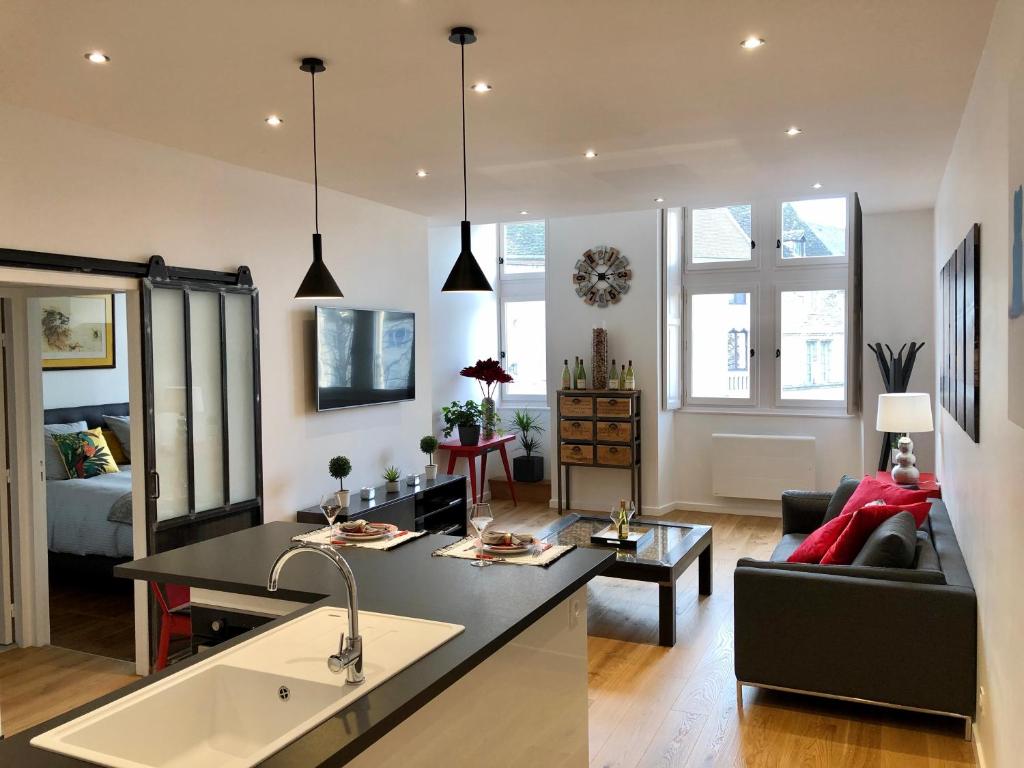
{"x": 507, "y": 549}
{"x": 372, "y": 532}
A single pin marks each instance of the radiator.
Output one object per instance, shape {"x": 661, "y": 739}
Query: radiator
{"x": 761, "y": 466}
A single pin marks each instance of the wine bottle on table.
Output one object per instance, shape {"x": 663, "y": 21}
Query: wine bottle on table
{"x": 581, "y": 376}
{"x": 630, "y": 377}
{"x": 613, "y": 377}
{"x": 566, "y": 375}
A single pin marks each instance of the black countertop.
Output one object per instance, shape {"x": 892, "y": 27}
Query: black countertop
{"x": 494, "y": 604}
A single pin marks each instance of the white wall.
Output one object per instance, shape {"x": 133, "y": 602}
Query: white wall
{"x": 899, "y": 284}
{"x": 79, "y": 190}
{"x": 981, "y": 482}
{"x": 63, "y": 389}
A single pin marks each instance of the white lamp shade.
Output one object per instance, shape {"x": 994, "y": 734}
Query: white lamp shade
{"x": 906, "y": 412}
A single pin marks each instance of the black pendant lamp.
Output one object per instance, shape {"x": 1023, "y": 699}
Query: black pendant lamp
{"x": 318, "y": 282}
{"x": 466, "y": 275}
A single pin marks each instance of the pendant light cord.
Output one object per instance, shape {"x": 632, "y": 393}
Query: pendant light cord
{"x": 316, "y": 193}
{"x": 465, "y": 182}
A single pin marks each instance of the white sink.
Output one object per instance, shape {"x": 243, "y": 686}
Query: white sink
{"x": 240, "y": 706}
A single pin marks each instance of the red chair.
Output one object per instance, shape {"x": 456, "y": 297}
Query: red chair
{"x": 175, "y": 620}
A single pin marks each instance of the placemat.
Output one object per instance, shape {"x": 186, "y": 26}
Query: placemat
{"x": 323, "y": 536}
{"x": 466, "y": 549}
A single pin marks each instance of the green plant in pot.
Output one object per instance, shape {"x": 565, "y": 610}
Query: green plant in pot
{"x": 528, "y": 468}
{"x": 391, "y": 476}
{"x": 466, "y": 418}
{"x": 340, "y": 468}
{"x": 428, "y": 444}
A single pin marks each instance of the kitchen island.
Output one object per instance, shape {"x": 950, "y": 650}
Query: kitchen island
{"x": 428, "y": 703}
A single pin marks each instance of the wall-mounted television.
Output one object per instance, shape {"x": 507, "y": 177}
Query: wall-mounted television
{"x": 364, "y": 357}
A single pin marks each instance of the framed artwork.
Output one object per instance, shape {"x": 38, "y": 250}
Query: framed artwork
{"x": 77, "y": 332}
{"x": 960, "y": 370}
{"x": 1015, "y": 373}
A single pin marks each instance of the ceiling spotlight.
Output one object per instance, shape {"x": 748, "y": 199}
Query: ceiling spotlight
{"x": 524, "y": 213}
{"x": 481, "y": 87}
{"x": 793, "y": 131}
{"x": 816, "y": 185}
{"x": 421, "y": 172}
{"x": 590, "y": 154}
{"x": 273, "y": 120}
{"x": 97, "y": 57}
{"x": 752, "y": 42}
{"x": 659, "y": 199}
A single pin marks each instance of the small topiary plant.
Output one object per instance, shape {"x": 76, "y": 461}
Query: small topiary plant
{"x": 340, "y": 468}
{"x": 428, "y": 445}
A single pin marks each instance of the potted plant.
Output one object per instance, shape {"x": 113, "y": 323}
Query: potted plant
{"x": 391, "y": 475}
{"x": 428, "y": 444}
{"x": 528, "y": 468}
{"x": 466, "y": 418}
{"x": 488, "y": 374}
{"x": 340, "y": 468}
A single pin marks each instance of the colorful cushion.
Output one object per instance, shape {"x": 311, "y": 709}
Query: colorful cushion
{"x": 871, "y": 489}
{"x": 116, "y": 449}
{"x": 55, "y": 469}
{"x": 818, "y": 543}
{"x": 862, "y": 524}
{"x": 85, "y": 454}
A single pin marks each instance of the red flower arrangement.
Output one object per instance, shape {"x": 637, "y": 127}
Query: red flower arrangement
{"x": 488, "y": 374}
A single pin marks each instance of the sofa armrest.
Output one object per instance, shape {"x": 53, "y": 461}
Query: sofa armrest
{"x": 803, "y": 511}
{"x": 893, "y": 642}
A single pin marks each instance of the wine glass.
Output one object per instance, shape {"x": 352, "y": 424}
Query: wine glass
{"x": 480, "y": 518}
{"x": 330, "y": 507}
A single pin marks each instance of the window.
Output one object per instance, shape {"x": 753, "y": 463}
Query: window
{"x": 796, "y": 305}
{"x": 672, "y": 303}
{"x": 522, "y": 311}
{"x": 721, "y": 236}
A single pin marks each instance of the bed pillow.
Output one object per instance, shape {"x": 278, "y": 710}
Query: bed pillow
{"x": 119, "y": 425}
{"x": 55, "y": 469}
{"x": 116, "y": 449}
{"x": 85, "y": 454}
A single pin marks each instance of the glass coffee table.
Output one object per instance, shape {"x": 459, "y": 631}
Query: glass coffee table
{"x": 669, "y": 551}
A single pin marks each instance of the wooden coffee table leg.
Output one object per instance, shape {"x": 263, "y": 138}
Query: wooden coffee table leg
{"x": 667, "y": 614}
{"x": 704, "y": 571}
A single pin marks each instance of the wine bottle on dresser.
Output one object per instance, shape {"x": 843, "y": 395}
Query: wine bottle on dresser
{"x": 630, "y": 377}
{"x": 575, "y": 370}
{"x": 566, "y": 375}
{"x": 613, "y": 377}
{"x": 581, "y": 376}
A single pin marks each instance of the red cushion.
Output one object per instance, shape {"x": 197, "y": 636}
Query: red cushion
{"x": 862, "y": 524}
{"x": 814, "y": 547}
{"x": 869, "y": 489}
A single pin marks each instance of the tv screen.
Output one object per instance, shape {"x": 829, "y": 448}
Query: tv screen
{"x": 364, "y": 356}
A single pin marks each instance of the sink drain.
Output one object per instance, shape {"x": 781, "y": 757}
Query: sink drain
{"x": 283, "y": 693}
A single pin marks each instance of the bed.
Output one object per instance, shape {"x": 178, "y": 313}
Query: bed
{"x": 79, "y": 533}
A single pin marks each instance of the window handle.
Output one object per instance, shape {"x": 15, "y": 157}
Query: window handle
{"x": 778, "y": 243}
{"x": 778, "y": 353}
{"x": 753, "y": 245}
{"x": 751, "y": 351}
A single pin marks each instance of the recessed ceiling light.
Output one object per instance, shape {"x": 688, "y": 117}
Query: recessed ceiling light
{"x": 816, "y": 185}
{"x": 273, "y": 120}
{"x": 422, "y": 172}
{"x": 752, "y": 42}
{"x": 659, "y": 199}
{"x": 481, "y": 87}
{"x": 590, "y": 154}
{"x": 793, "y": 131}
{"x": 97, "y": 57}
{"x": 523, "y": 213}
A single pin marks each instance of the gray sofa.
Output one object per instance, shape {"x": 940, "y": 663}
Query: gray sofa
{"x": 898, "y": 637}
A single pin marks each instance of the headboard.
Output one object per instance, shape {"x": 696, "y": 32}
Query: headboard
{"x": 90, "y": 414}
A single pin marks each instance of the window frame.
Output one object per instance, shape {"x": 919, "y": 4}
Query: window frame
{"x": 715, "y": 288}
{"x": 813, "y": 261}
{"x": 516, "y": 288}
{"x": 754, "y": 263}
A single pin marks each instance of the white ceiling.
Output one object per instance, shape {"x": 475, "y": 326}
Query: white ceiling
{"x": 660, "y": 88}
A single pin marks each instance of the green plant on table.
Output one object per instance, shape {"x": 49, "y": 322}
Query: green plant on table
{"x": 458, "y": 414}
{"x": 340, "y": 468}
{"x": 392, "y": 473}
{"x": 428, "y": 444}
{"x": 527, "y": 426}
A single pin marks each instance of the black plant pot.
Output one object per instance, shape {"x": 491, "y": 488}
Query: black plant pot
{"x": 528, "y": 469}
{"x": 469, "y": 435}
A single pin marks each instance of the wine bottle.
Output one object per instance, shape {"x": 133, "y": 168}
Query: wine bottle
{"x": 613, "y": 377}
{"x": 623, "y": 527}
{"x": 630, "y": 377}
{"x": 566, "y": 375}
{"x": 581, "y": 376}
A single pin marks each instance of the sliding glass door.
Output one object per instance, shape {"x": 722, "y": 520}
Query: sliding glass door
{"x": 203, "y": 457}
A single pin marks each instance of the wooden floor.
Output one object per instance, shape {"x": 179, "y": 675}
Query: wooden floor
{"x": 39, "y": 683}
{"x": 93, "y": 615}
{"x": 649, "y": 706}
{"x": 653, "y": 706}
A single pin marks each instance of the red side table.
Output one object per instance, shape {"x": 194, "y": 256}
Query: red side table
{"x": 926, "y": 483}
{"x": 457, "y": 450}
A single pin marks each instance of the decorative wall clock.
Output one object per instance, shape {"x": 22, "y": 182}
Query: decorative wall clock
{"x": 602, "y": 276}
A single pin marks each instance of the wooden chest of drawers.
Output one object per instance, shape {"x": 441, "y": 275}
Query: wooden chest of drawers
{"x": 598, "y": 429}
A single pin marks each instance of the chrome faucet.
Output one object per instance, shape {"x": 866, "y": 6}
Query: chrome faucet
{"x": 350, "y": 648}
